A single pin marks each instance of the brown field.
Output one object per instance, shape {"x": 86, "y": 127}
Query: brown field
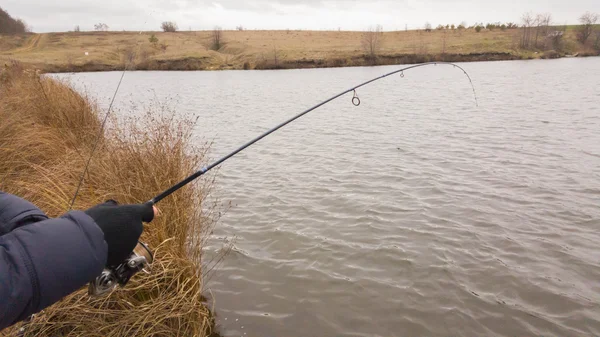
{"x": 261, "y": 49}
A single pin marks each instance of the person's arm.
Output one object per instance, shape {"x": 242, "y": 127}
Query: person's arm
{"x": 40, "y": 263}
{"x": 16, "y": 212}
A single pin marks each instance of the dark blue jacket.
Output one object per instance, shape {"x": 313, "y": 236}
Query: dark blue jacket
{"x": 41, "y": 259}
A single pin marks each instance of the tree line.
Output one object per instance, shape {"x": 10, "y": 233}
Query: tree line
{"x": 477, "y": 26}
{"x": 10, "y": 25}
{"x": 536, "y": 32}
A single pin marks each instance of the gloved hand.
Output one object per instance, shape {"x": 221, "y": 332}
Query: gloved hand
{"x": 122, "y": 227}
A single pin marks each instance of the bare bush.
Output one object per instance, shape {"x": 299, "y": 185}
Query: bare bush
{"x": 240, "y": 28}
{"x": 542, "y": 27}
{"x": 587, "y": 20}
{"x": 101, "y": 27}
{"x": 372, "y": 41}
{"x": 217, "y": 38}
{"x": 154, "y": 40}
{"x": 554, "y": 40}
{"x": 169, "y": 27}
{"x": 273, "y": 60}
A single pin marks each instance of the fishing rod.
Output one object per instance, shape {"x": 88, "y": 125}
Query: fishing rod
{"x": 355, "y": 101}
{"x": 142, "y": 257}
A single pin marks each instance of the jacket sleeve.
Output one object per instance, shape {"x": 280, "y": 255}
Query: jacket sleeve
{"x": 40, "y": 263}
{"x": 16, "y": 212}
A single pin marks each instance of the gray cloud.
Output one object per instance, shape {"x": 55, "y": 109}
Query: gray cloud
{"x": 282, "y": 14}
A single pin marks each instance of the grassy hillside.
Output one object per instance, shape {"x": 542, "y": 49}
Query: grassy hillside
{"x": 264, "y": 49}
{"x": 47, "y": 133}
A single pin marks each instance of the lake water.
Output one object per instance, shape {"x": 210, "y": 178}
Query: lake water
{"x": 416, "y": 213}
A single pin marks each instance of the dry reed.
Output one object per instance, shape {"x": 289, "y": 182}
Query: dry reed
{"x": 47, "y": 131}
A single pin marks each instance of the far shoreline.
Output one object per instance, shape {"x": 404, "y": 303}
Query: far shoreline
{"x": 196, "y": 65}
{"x": 73, "y": 52}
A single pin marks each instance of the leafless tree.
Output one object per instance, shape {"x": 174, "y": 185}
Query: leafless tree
{"x": 542, "y": 26}
{"x": 428, "y": 27}
{"x": 528, "y": 22}
{"x": 217, "y": 38}
{"x": 587, "y": 20}
{"x": 77, "y": 29}
{"x": 273, "y": 60}
{"x": 169, "y": 27}
{"x": 372, "y": 41}
{"x": 101, "y": 27}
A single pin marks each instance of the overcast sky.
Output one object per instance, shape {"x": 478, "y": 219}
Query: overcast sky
{"x": 62, "y": 15}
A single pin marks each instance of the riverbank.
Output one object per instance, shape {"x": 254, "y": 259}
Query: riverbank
{"x": 47, "y": 134}
{"x": 106, "y": 51}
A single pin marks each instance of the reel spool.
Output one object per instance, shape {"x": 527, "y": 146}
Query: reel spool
{"x": 140, "y": 260}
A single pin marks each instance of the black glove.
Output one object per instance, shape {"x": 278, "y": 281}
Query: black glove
{"x": 122, "y": 227}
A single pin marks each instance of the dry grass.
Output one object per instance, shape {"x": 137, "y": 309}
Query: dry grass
{"x": 46, "y": 135}
{"x": 191, "y": 50}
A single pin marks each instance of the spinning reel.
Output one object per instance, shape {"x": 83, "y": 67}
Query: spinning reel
{"x": 140, "y": 260}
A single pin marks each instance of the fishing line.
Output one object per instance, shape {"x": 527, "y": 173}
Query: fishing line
{"x": 22, "y": 330}
{"x": 355, "y": 101}
{"x": 112, "y": 101}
